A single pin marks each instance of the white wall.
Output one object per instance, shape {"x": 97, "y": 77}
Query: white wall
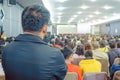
{"x": 66, "y": 29}
{"x": 83, "y": 28}
{"x": 12, "y": 20}
{"x": 95, "y": 30}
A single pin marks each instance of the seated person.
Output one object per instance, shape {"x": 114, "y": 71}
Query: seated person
{"x": 98, "y": 54}
{"x": 113, "y": 53}
{"x": 115, "y": 67}
{"x": 89, "y": 64}
{"x": 68, "y": 55}
{"x": 103, "y": 47}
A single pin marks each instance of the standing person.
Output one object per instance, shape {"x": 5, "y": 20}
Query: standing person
{"x": 29, "y": 57}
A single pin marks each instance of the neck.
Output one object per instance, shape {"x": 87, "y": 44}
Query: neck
{"x": 68, "y": 61}
{"x": 39, "y": 34}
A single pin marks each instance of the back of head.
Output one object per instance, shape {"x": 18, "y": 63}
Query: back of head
{"x": 118, "y": 44}
{"x": 112, "y": 44}
{"x": 88, "y": 53}
{"x": 34, "y": 18}
{"x": 80, "y": 50}
{"x": 88, "y": 46}
{"x": 102, "y": 43}
{"x": 67, "y": 51}
{"x": 96, "y": 45}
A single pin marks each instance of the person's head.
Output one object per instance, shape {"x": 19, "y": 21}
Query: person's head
{"x": 80, "y": 50}
{"x": 35, "y": 20}
{"x": 117, "y": 61}
{"x": 102, "y": 43}
{"x": 88, "y": 46}
{"x": 118, "y": 44}
{"x": 61, "y": 44}
{"x": 112, "y": 44}
{"x": 68, "y": 53}
{"x": 95, "y": 46}
{"x": 88, "y": 53}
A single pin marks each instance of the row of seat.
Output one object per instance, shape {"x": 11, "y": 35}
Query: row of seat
{"x": 93, "y": 76}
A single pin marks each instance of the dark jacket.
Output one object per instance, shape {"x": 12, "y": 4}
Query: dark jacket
{"x": 30, "y": 58}
{"x": 113, "y": 69}
{"x": 112, "y": 54}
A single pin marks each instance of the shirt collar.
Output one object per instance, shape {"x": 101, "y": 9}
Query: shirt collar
{"x": 29, "y": 38}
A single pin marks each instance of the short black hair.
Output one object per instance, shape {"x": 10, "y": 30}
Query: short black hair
{"x": 67, "y": 51}
{"x": 80, "y": 50}
{"x": 118, "y": 44}
{"x": 34, "y": 17}
{"x": 102, "y": 43}
{"x": 112, "y": 44}
{"x": 88, "y": 53}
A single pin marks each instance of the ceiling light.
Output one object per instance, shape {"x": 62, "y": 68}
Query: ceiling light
{"x": 105, "y": 17}
{"x": 97, "y": 12}
{"x": 114, "y": 14}
{"x": 61, "y": 0}
{"x": 79, "y": 12}
{"x": 75, "y": 16}
{"x": 82, "y": 20}
{"x": 84, "y": 7}
{"x": 107, "y": 7}
{"x": 86, "y": 18}
{"x": 91, "y": 16}
{"x": 92, "y": 0}
{"x": 61, "y": 8}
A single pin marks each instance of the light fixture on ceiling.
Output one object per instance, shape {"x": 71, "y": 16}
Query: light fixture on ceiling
{"x": 61, "y": 0}
{"x": 91, "y": 16}
{"x": 75, "y": 16}
{"x": 82, "y": 20}
{"x": 79, "y": 12}
{"x": 105, "y": 17}
{"x": 107, "y": 7}
{"x": 97, "y": 12}
{"x": 99, "y": 20}
{"x": 84, "y": 7}
{"x": 115, "y": 14}
{"x": 92, "y": 0}
{"x": 60, "y": 8}
{"x": 86, "y": 18}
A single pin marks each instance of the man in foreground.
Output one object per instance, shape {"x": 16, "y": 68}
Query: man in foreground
{"x": 29, "y": 57}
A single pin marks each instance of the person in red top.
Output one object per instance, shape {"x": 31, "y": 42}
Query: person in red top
{"x": 68, "y": 55}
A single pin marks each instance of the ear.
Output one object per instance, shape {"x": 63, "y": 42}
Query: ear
{"x": 44, "y": 29}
